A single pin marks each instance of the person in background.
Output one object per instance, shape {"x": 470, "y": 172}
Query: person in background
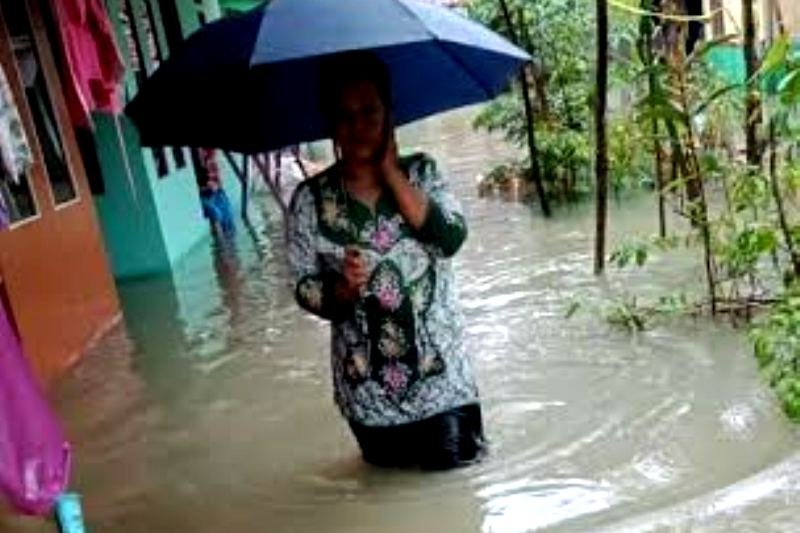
{"x": 216, "y": 205}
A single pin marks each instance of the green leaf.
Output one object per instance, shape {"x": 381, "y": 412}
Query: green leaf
{"x": 707, "y": 46}
{"x": 789, "y": 87}
{"x": 641, "y": 256}
{"x": 766, "y": 240}
{"x": 658, "y": 106}
{"x": 776, "y": 56}
{"x": 573, "y": 308}
{"x": 716, "y": 95}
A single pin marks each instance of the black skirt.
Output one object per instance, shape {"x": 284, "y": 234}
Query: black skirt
{"x": 444, "y": 441}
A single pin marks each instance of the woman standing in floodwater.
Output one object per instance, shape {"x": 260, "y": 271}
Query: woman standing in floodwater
{"x": 370, "y": 242}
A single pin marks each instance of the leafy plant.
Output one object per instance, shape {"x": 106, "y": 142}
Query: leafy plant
{"x": 776, "y": 341}
{"x": 559, "y": 36}
{"x": 724, "y": 156}
{"x": 638, "y": 251}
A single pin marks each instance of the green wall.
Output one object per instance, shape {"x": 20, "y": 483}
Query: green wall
{"x": 179, "y": 209}
{"x": 177, "y": 203}
{"x": 729, "y": 61}
{"x": 131, "y": 227}
{"x": 149, "y": 231}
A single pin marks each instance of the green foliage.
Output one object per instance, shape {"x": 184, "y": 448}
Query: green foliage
{"x": 502, "y": 174}
{"x": 630, "y": 253}
{"x": 781, "y": 70}
{"x": 637, "y": 251}
{"x": 630, "y": 159}
{"x": 559, "y": 35}
{"x": 505, "y": 114}
{"x": 630, "y": 314}
{"x": 742, "y": 218}
{"x": 573, "y": 308}
{"x": 776, "y": 56}
{"x": 709, "y": 102}
{"x": 743, "y": 250}
{"x": 565, "y": 156}
{"x": 776, "y": 340}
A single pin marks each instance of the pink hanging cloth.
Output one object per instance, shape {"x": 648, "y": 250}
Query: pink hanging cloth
{"x": 94, "y": 66}
{"x": 34, "y": 455}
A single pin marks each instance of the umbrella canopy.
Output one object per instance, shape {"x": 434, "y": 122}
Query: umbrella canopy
{"x": 250, "y": 83}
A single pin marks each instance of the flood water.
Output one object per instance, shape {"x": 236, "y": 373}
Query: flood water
{"x": 210, "y": 408}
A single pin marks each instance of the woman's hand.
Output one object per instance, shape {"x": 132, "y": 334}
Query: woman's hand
{"x": 355, "y": 276}
{"x": 412, "y": 202}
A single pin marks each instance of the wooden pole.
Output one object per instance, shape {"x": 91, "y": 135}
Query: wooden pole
{"x": 752, "y": 104}
{"x": 601, "y": 156}
{"x": 262, "y": 163}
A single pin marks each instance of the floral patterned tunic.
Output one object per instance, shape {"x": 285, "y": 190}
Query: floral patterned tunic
{"x": 397, "y": 355}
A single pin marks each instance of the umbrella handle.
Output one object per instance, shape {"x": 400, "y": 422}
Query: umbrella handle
{"x": 69, "y": 515}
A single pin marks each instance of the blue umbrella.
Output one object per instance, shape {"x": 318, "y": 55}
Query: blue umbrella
{"x": 250, "y": 83}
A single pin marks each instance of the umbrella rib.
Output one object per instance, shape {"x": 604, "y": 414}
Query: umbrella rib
{"x": 458, "y": 61}
{"x": 441, "y": 44}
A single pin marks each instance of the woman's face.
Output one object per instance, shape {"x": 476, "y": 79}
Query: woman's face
{"x": 360, "y": 122}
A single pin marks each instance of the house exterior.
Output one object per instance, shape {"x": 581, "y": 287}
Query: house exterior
{"x": 55, "y": 281}
{"x": 147, "y": 199}
{"x": 726, "y": 19}
{"x": 95, "y": 205}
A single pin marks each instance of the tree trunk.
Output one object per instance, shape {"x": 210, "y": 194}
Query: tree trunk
{"x": 601, "y": 160}
{"x": 660, "y": 185}
{"x": 686, "y": 156}
{"x": 695, "y": 188}
{"x": 648, "y": 57}
{"x": 538, "y": 74}
{"x": 752, "y": 103}
{"x": 788, "y": 240}
{"x": 699, "y": 214}
{"x": 536, "y": 172}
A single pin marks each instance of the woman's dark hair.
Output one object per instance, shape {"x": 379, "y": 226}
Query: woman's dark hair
{"x": 338, "y": 71}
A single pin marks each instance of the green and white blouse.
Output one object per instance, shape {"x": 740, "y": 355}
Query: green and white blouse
{"x": 398, "y": 354}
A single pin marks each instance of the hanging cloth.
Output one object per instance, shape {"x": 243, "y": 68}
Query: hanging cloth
{"x": 15, "y": 152}
{"x": 94, "y": 65}
{"x": 34, "y": 455}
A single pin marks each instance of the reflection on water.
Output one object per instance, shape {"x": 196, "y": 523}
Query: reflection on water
{"x": 210, "y": 410}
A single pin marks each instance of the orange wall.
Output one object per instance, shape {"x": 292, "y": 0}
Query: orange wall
{"x": 53, "y": 267}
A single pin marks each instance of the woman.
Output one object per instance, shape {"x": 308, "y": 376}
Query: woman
{"x": 369, "y": 243}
